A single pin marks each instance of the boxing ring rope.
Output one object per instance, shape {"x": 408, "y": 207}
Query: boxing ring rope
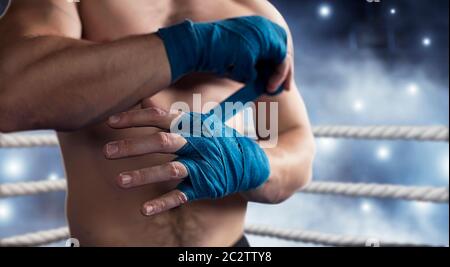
{"x": 411, "y": 193}
{"x": 28, "y": 141}
{"x": 31, "y": 188}
{"x": 60, "y": 234}
{"x": 323, "y": 239}
{"x": 416, "y": 133}
{"x": 36, "y": 239}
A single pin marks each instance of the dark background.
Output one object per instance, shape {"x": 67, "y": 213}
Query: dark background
{"x": 360, "y": 65}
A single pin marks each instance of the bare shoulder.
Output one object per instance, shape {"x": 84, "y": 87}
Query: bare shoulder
{"x": 263, "y": 8}
{"x": 266, "y": 9}
{"x": 41, "y": 17}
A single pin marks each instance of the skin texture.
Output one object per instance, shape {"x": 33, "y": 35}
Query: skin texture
{"x": 70, "y": 67}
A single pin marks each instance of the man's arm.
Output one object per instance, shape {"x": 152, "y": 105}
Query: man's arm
{"x": 49, "y": 78}
{"x": 292, "y": 158}
{"x": 205, "y": 162}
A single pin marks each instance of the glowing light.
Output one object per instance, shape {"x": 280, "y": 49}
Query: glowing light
{"x": 426, "y": 41}
{"x": 383, "y": 153}
{"x": 366, "y": 207}
{"x": 13, "y": 168}
{"x": 327, "y": 145}
{"x": 393, "y": 11}
{"x": 325, "y": 11}
{"x": 5, "y": 212}
{"x": 422, "y": 207}
{"x": 413, "y": 89}
{"x": 358, "y": 105}
{"x": 53, "y": 177}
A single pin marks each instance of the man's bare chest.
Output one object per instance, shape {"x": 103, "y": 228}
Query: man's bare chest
{"x": 106, "y": 20}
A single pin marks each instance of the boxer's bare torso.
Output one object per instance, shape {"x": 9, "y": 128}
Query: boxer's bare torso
{"x": 99, "y": 212}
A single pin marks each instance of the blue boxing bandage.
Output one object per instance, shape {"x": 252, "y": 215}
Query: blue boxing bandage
{"x": 219, "y": 160}
{"x": 229, "y": 48}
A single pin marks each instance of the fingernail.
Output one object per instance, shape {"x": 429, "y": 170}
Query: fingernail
{"x": 148, "y": 210}
{"x": 184, "y": 198}
{"x": 112, "y": 148}
{"x": 176, "y": 173}
{"x": 114, "y": 119}
{"x": 125, "y": 179}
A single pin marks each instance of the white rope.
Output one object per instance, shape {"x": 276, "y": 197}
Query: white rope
{"x": 319, "y": 238}
{"x": 27, "y": 140}
{"x": 36, "y": 239}
{"x": 418, "y": 133}
{"x": 60, "y": 234}
{"x": 31, "y": 188}
{"x": 414, "y": 193}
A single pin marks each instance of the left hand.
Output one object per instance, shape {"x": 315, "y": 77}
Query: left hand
{"x": 207, "y": 167}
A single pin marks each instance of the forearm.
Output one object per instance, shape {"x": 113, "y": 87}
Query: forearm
{"x": 76, "y": 83}
{"x": 290, "y": 164}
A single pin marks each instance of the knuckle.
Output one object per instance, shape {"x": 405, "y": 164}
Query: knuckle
{"x": 140, "y": 176}
{"x": 124, "y": 117}
{"x": 174, "y": 169}
{"x": 124, "y": 146}
{"x": 160, "y": 205}
{"x": 152, "y": 113}
{"x": 163, "y": 140}
{"x": 147, "y": 113}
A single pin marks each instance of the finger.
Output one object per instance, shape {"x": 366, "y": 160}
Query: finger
{"x": 160, "y": 142}
{"x": 277, "y": 79}
{"x": 149, "y": 117}
{"x": 171, "y": 171}
{"x": 166, "y": 202}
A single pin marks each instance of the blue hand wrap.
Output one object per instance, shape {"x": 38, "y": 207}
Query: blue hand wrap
{"x": 230, "y": 48}
{"x": 220, "y": 161}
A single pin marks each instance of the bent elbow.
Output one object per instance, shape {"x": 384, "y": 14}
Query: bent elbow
{"x": 24, "y": 114}
{"x": 13, "y": 118}
{"x": 308, "y": 163}
{"x": 301, "y": 179}
{"x": 8, "y": 123}
{"x": 305, "y": 179}
{"x": 307, "y": 174}
{"x": 302, "y": 182}
{"x": 6, "y": 126}
{"x": 13, "y": 121}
